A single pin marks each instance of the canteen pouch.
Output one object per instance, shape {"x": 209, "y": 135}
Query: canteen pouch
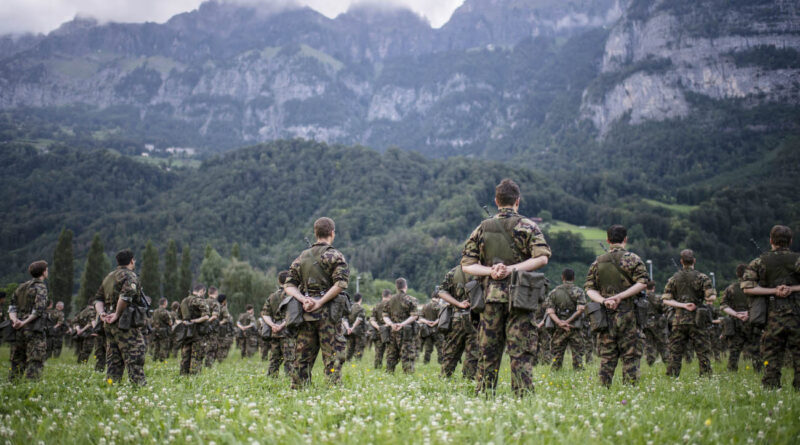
{"x": 386, "y": 333}
{"x": 702, "y": 317}
{"x": 598, "y": 318}
{"x": 445, "y": 318}
{"x": 728, "y": 328}
{"x": 758, "y": 311}
{"x": 474, "y": 290}
{"x": 527, "y": 289}
{"x": 8, "y": 332}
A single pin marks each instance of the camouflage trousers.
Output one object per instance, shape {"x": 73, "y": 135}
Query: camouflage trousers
{"x": 324, "y": 335}
{"x": 356, "y": 343}
{"x": 83, "y": 349}
{"x": 746, "y": 339}
{"x": 281, "y": 351}
{"x": 125, "y": 350}
{"x": 249, "y": 345}
{"x": 428, "y": 344}
{"x": 655, "y": 344}
{"x": 212, "y": 346}
{"x": 380, "y": 350}
{"x": 560, "y": 340}
{"x": 679, "y": 338}
{"x": 192, "y": 356}
{"x": 499, "y": 329}
{"x": 28, "y": 355}
{"x": 781, "y": 337}
{"x": 462, "y": 339}
{"x": 224, "y": 349}
{"x": 544, "y": 353}
{"x": 100, "y": 353}
{"x": 402, "y": 347}
{"x": 620, "y": 341}
{"x": 54, "y": 344}
{"x": 161, "y": 348}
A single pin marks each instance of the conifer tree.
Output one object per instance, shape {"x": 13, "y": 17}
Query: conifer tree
{"x": 170, "y": 280}
{"x": 151, "y": 280}
{"x": 97, "y": 266}
{"x": 62, "y": 274}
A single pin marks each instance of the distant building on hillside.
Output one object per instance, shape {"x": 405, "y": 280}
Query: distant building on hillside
{"x": 181, "y": 150}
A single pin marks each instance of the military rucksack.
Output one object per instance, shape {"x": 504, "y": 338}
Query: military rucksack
{"x": 314, "y": 276}
{"x": 498, "y": 244}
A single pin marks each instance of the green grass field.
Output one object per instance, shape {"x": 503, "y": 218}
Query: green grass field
{"x": 675, "y": 208}
{"x": 591, "y": 235}
{"x": 236, "y": 402}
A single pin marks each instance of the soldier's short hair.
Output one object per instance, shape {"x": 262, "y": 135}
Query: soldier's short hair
{"x": 780, "y": 236}
{"x": 37, "y": 268}
{"x": 199, "y": 287}
{"x": 162, "y": 301}
{"x": 124, "y": 257}
{"x": 212, "y": 290}
{"x": 687, "y": 256}
{"x": 506, "y": 193}
{"x": 740, "y": 270}
{"x": 386, "y": 293}
{"x": 400, "y": 284}
{"x": 617, "y": 233}
{"x": 175, "y": 305}
{"x": 283, "y": 276}
{"x": 357, "y": 297}
{"x": 221, "y": 298}
{"x": 324, "y": 227}
{"x": 248, "y": 307}
{"x": 568, "y": 274}
{"x": 651, "y": 284}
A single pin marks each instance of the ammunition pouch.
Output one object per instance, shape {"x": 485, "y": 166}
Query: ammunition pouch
{"x": 598, "y": 317}
{"x": 385, "y": 333}
{"x": 445, "y": 318}
{"x": 474, "y": 290}
{"x": 527, "y": 289}
{"x": 702, "y": 317}
{"x": 759, "y": 307}
{"x": 133, "y": 317}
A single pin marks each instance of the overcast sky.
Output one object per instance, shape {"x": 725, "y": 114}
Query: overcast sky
{"x": 17, "y": 16}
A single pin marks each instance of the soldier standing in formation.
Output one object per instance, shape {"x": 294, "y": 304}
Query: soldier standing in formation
{"x": 740, "y": 334}
{"x": 226, "y": 328}
{"x": 316, "y": 278}
{"x": 247, "y": 324}
{"x": 212, "y": 340}
{"x": 565, "y": 305}
{"x": 613, "y": 279}
{"x": 429, "y": 316}
{"x": 354, "y": 329}
{"x": 687, "y": 291}
{"x": 400, "y": 313}
{"x": 382, "y": 336}
{"x": 55, "y": 330}
{"x": 194, "y": 313}
{"x": 654, "y": 326}
{"x": 27, "y": 314}
{"x": 775, "y": 277}
{"x": 462, "y": 338}
{"x": 162, "y": 328}
{"x": 281, "y": 341}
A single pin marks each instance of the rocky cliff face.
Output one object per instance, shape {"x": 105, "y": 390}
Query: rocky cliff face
{"x": 660, "y": 52}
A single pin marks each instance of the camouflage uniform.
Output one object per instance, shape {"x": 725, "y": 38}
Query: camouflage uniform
{"x": 174, "y": 346}
{"x": 462, "y": 338}
{"x": 380, "y": 345}
{"x": 655, "y": 330}
{"x": 501, "y": 327}
{"x": 355, "y": 341}
{"x": 544, "y": 353}
{"x": 430, "y": 311}
{"x": 55, "y": 335}
{"x": 30, "y": 348}
{"x": 564, "y": 300}
{"x": 622, "y": 339}
{"x": 250, "y": 344}
{"x": 100, "y": 348}
{"x": 192, "y": 308}
{"x": 688, "y": 286}
{"x": 226, "y": 334}
{"x": 281, "y": 343}
{"x": 124, "y": 348}
{"x": 314, "y": 272}
{"x": 212, "y": 341}
{"x": 782, "y": 332}
{"x": 161, "y": 334}
{"x": 742, "y": 336}
{"x": 402, "y": 344}
{"x": 85, "y": 343}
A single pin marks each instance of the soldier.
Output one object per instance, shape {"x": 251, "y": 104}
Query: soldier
{"x": 654, "y": 328}
{"x": 462, "y": 338}
{"x": 543, "y": 352}
{"x": 565, "y": 305}
{"x": 85, "y": 322}
{"x": 498, "y": 247}
{"x": 282, "y": 340}
{"x": 162, "y": 328}
{"x": 776, "y": 275}
{"x": 740, "y": 334}
{"x": 213, "y": 339}
{"x": 226, "y": 328}
{"x": 612, "y": 280}
{"x": 430, "y": 317}
{"x": 99, "y": 336}
{"x": 354, "y": 329}
{"x": 400, "y": 313}
{"x": 27, "y": 314}
{"x": 247, "y": 324}
{"x": 321, "y": 273}
{"x": 686, "y": 292}
{"x": 377, "y": 323}
{"x": 173, "y": 315}
{"x": 119, "y": 293}
{"x": 194, "y": 312}
{"x": 55, "y": 333}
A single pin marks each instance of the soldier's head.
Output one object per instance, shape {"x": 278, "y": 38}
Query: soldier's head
{"x": 199, "y": 290}
{"x": 568, "y": 275}
{"x": 617, "y": 234}
{"x": 282, "y": 277}
{"x": 740, "y": 270}
{"x": 651, "y": 285}
{"x": 386, "y": 294}
{"x": 400, "y": 284}
{"x": 324, "y": 229}
{"x": 222, "y": 299}
{"x": 213, "y": 292}
{"x": 506, "y": 194}
{"x": 175, "y": 305}
{"x": 357, "y": 298}
{"x": 780, "y": 236}
{"x": 38, "y": 269}
{"x": 125, "y": 259}
{"x": 687, "y": 257}
{"x": 162, "y": 302}
{"x": 249, "y": 309}
{"x": 60, "y": 305}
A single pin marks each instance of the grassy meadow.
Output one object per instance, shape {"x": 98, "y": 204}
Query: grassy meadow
{"x": 235, "y": 402}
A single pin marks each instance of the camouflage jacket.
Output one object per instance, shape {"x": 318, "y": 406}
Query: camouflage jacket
{"x": 629, "y": 262}
{"x": 161, "y": 319}
{"x": 245, "y": 320}
{"x": 356, "y": 312}
{"x": 565, "y": 299}
{"x": 700, "y": 284}
{"x": 35, "y": 301}
{"x": 271, "y": 307}
{"x": 430, "y": 311}
{"x": 400, "y": 307}
{"x": 333, "y": 265}
{"x": 125, "y": 286}
{"x": 197, "y": 307}
{"x": 377, "y": 312}
{"x": 734, "y": 297}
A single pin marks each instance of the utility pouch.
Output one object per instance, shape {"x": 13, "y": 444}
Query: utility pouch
{"x": 8, "y": 332}
{"x": 386, "y": 334}
{"x": 408, "y": 332}
{"x": 641, "y": 307}
{"x": 759, "y": 306}
{"x": 445, "y": 318}
{"x": 474, "y": 290}
{"x": 183, "y": 333}
{"x": 527, "y": 289}
{"x": 424, "y": 330}
{"x": 294, "y": 311}
{"x": 728, "y": 327}
{"x": 598, "y": 317}
{"x": 702, "y": 317}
